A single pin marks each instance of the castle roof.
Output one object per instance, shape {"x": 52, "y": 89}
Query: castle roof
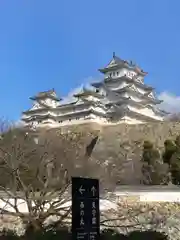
{"x": 46, "y": 94}
{"x": 109, "y": 79}
{"x": 88, "y": 92}
{"x": 131, "y": 113}
{"x": 117, "y": 62}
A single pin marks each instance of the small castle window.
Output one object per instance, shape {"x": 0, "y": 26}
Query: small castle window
{"x": 110, "y": 74}
{"x": 113, "y": 73}
{"x": 117, "y": 73}
{"x": 97, "y": 90}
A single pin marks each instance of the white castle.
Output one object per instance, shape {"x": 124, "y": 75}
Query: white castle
{"x": 121, "y": 97}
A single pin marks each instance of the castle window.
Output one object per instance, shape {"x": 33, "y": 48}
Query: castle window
{"x": 113, "y": 73}
{"x": 97, "y": 90}
{"x": 110, "y": 74}
{"x": 117, "y": 73}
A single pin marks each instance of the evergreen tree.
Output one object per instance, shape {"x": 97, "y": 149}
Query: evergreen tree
{"x": 150, "y": 155}
{"x": 175, "y": 163}
{"x": 169, "y": 150}
{"x": 153, "y": 170}
{"x": 171, "y": 156}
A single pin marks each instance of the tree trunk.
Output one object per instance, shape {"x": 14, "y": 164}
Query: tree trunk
{"x": 33, "y": 229}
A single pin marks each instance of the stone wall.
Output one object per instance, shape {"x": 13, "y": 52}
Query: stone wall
{"x": 155, "y": 132}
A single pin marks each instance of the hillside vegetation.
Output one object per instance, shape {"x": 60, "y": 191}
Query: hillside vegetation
{"x": 156, "y": 133}
{"x": 40, "y": 171}
{"x": 124, "y": 145}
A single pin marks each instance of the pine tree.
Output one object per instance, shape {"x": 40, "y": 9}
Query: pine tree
{"x": 154, "y": 170}
{"x": 174, "y": 163}
{"x": 150, "y": 155}
{"x": 169, "y": 150}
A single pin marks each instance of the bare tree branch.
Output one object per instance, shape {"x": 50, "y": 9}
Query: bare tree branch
{"x": 40, "y": 174}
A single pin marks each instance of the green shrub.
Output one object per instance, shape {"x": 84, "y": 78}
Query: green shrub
{"x": 147, "y": 235}
{"x": 8, "y": 235}
{"x": 64, "y": 234}
{"x": 108, "y": 234}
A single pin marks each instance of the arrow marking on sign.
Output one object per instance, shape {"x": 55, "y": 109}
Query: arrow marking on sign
{"x": 93, "y": 190}
{"x": 81, "y": 190}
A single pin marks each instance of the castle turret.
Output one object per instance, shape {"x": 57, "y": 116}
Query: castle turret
{"x": 42, "y": 111}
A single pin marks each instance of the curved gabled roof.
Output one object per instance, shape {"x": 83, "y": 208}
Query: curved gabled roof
{"x": 130, "y": 80}
{"x": 117, "y": 62}
{"x": 46, "y": 94}
{"x": 86, "y": 92}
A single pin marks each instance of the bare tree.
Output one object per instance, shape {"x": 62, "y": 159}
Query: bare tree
{"x": 132, "y": 215}
{"x": 121, "y": 161}
{"x": 39, "y": 172}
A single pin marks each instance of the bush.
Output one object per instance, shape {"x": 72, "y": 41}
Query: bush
{"x": 155, "y": 171}
{"x": 147, "y": 235}
{"x": 169, "y": 150}
{"x": 52, "y": 234}
{"x": 8, "y": 235}
{"x": 171, "y": 156}
{"x": 109, "y": 234}
{"x": 135, "y": 235}
{"x": 64, "y": 234}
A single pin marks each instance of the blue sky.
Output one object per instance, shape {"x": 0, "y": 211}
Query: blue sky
{"x": 61, "y": 43}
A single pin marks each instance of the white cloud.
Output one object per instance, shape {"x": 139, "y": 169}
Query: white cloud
{"x": 171, "y": 103}
{"x": 75, "y": 90}
{"x": 86, "y": 83}
{"x": 19, "y": 123}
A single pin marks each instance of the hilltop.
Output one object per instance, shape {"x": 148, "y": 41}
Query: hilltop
{"x": 119, "y": 146}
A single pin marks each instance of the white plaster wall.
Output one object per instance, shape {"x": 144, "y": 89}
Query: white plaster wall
{"x": 130, "y": 73}
{"x": 104, "y": 204}
{"x": 48, "y": 120}
{"x": 73, "y": 109}
{"x": 160, "y": 197}
{"x": 35, "y": 106}
{"x": 101, "y": 121}
{"x": 153, "y": 196}
{"x": 146, "y": 111}
{"x": 139, "y": 89}
{"x": 99, "y": 109}
{"x": 50, "y": 102}
{"x": 40, "y": 113}
{"x": 136, "y": 99}
{"x": 116, "y": 85}
{"x": 122, "y": 83}
{"x": 67, "y": 111}
{"x": 22, "y": 206}
{"x": 115, "y": 74}
{"x": 92, "y": 98}
{"x": 94, "y": 118}
{"x": 130, "y": 120}
{"x": 133, "y": 97}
